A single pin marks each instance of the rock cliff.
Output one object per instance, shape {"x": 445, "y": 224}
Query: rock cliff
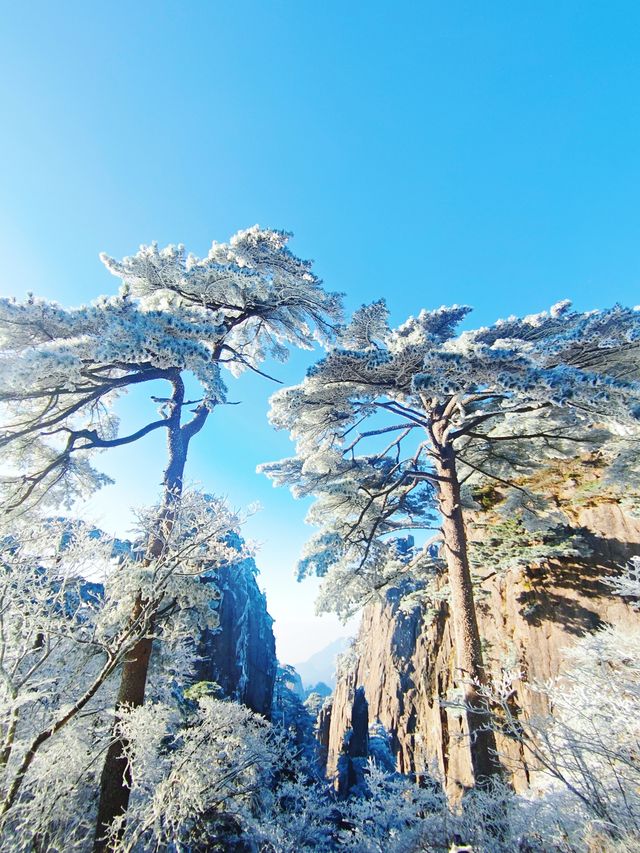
{"x": 527, "y": 616}
{"x": 241, "y": 655}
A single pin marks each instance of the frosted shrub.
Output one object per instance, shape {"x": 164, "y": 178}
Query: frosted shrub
{"x": 588, "y": 749}
{"x": 198, "y": 783}
{"x": 395, "y": 815}
{"x": 627, "y": 584}
{"x": 303, "y": 817}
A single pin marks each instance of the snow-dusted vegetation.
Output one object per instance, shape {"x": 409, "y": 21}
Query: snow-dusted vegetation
{"x": 407, "y": 438}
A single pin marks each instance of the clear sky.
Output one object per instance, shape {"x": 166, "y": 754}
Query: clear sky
{"x": 480, "y": 153}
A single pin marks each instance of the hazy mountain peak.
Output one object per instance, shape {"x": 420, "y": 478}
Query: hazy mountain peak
{"x": 321, "y": 666}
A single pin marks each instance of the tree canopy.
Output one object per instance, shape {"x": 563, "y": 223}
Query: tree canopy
{"x": 372, "y": 416}
{"x": 64, "y": 368}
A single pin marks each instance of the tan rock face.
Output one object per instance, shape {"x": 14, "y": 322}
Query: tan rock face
{"x": 527, "y": 617}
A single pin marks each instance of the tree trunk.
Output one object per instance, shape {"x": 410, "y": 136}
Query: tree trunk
{"x": 115, "y": 781}
{"x": 10, "y": 735}
{"x": 469, "y": 660}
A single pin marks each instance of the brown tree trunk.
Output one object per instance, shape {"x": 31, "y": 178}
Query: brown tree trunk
{"x": 115, "y": 781}
{"x": 469, "y": 660}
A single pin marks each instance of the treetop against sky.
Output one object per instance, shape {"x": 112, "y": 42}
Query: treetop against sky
{"x": 428, "y": 155}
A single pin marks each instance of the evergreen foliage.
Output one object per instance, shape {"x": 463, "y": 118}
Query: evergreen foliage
{"x": 63, "y": 369}
{"x": 394, "y": 423}
{"x": 506, "y": 402}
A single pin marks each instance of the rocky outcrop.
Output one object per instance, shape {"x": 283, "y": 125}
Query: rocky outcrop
{"x": 405, "y": 661}
{"x": 355, "y": 748}
{"x": 241, "y": 655}
{"x": 323, "y": 732}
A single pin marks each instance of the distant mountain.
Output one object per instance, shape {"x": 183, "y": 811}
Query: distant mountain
{"x": 322, "y": 665}
{"x": 320, "y": 689}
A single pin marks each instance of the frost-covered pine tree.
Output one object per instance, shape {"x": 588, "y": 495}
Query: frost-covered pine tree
{"x": 63, "y": 369}
{"x": 175, "y": 313}
{"x": 395, "y": 418}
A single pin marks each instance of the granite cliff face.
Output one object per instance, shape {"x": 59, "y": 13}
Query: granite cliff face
{"x": 241, "y": 655}
{"x": 405, "y": 661}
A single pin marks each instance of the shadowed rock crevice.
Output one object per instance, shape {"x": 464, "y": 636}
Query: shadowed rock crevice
{"x": 355, "y": 748}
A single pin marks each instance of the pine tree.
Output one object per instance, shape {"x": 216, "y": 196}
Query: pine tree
{"x": 396, "y": 420}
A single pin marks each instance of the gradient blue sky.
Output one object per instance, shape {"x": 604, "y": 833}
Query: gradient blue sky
{"x": 485, "y": 153}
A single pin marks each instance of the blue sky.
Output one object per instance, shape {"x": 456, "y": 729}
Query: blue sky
{"x": 426, "y": 152}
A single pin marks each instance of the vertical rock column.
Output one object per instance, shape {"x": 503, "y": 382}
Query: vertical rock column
{"x": 355, "y": 749}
